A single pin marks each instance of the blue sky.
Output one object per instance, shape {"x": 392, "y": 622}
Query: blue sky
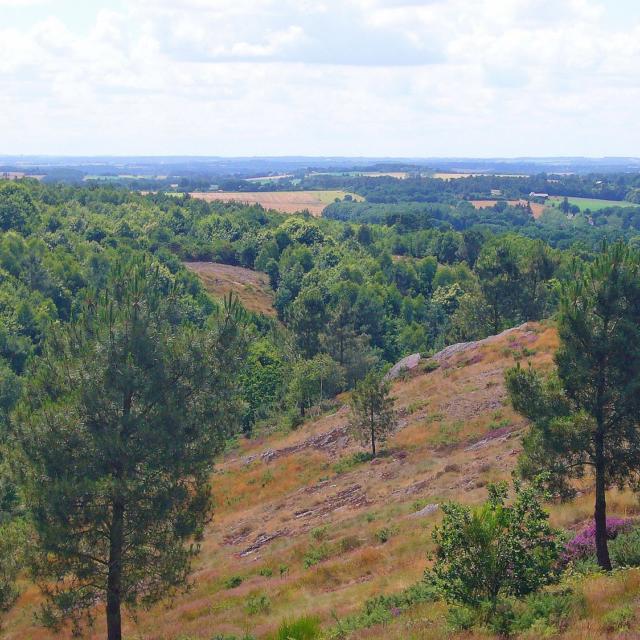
{"x": 320, "y": 77}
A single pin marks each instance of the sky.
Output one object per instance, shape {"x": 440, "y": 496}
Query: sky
{"x": 384, "y": 78}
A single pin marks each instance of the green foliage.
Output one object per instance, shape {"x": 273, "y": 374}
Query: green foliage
{"x": 625, "y": 549}
{"x": 315, "y": 555}
{"x": 586, "y": 417}
{"x": 266, "y": 572}
{"x": 350, "y": 462}
{"x": 372, "y": 414}
{"x": 319, "y": 533}
{"x": 619, "y": 619}
{"x": 382, "y": 609}
{"x": 494, "y": 551}
{"x": 232, "y": 582}
{"x": 385, "y": 534}
{"x": 314, "y": 380}
{"x": 257, "y": 604}
{"x": 304, "y": 628}
{"x": 114, "y": 442}
{"x": 13, "y": 542}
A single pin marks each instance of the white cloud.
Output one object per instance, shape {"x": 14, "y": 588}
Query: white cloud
{"x": 353, "y": 77}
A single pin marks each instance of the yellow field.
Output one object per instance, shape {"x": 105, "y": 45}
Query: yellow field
{"x": 284, "y": 201}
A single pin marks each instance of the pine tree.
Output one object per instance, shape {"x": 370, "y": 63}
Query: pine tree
{"x": 115, "y": 438}
{"x": 587, "y": 416}
{"x": 372, "y": 413}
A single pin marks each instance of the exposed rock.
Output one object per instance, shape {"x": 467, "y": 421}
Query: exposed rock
{"x": 426, "y": 511}
{"x": 527, "y": 337}
{"x": 331, "y": 442}
{"x": 406, "y": 364}
{"x": 262, "y": 540}
{"x": 351, "y": 497}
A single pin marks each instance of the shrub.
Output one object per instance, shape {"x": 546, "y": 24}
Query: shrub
{"x": 266, "y": 572}
{"x": 319, "y": 533}
{"x": 430, "y": 365}
{"x": 257, "y": 603}
{"x": 382, "y": 609}
{"x": 619, "y": 619}
{"x": 315, "y": 555}
{"x": 583, "y": 545}
{"x": 495, "y": 551}
{"x": 305, "y": 628}
{"x": 348, "y": 463}
{"x": 232, "y": 582}
{"x": 625, "y": 549}
{"x": 385, "y": 534}
{"x": 550, "y": 610}
{"x": 349, "y": 543}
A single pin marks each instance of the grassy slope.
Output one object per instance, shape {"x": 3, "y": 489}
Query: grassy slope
{"x": 251, "y": 287}
{"x": 456, "y": 434}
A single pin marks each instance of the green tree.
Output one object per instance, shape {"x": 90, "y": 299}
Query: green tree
{"x": 495, "y": 550}
{"x": 314, "y": 380}
{"x": 373, "y": 417}
{"x": 114, "y": 442}
{"x": 586, "y": 416}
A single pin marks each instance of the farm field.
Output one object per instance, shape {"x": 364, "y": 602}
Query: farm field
{"x": 591, "y": 203}
{"x": 454, "y": 176}
{"x": 536, "y": 208}
{"x": 299, "y": 526}
{"x": 400, "y": 175}
{"x": 251, "y": 287}
{"x": 284, "y": 201}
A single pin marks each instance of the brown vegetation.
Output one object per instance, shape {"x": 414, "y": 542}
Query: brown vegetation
{"x": 251, "y": 287}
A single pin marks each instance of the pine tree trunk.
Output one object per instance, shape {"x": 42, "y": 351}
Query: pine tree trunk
{"x": 114, "y": 578}
{"x": 600, "y": 512}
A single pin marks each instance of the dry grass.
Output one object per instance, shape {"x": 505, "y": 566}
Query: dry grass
{"x": 251, "y": 287}
{"x": 284, "y": 201}
{"x": 428, "y": 461}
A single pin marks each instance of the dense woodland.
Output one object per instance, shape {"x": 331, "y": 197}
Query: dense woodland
{"x": 93, "y": 291}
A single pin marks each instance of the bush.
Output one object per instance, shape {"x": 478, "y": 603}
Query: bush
{"x": 538, "y": 615}
{"x": 266, "y": 572}
{"x": 232, "y": 582}
{"x": 348, "y": 463}
{"x": 315, "y": 555}
{"x": 625, "y": 549}
{"x": 584, "y": 544}
{"x": 548, "y": 610}
{"x": 383, "y": 608}
{"x": 349, "y": 543}
{"x": 385, "y": 534}
{"x": 305, "y": 628}
{"x": 495, "y": 551}
{"x": 257, "y": 603}
{"x": 619, "y": 619}
{"x": 319, "y": 533}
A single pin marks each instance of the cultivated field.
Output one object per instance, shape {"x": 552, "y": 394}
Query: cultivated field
{"x": 284, "y": 201}
{"x": 454, "y": 176}
{"x": 251, "y": 287}
{"x": 536, "y": 208}
{"x": 299, "y": 526}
